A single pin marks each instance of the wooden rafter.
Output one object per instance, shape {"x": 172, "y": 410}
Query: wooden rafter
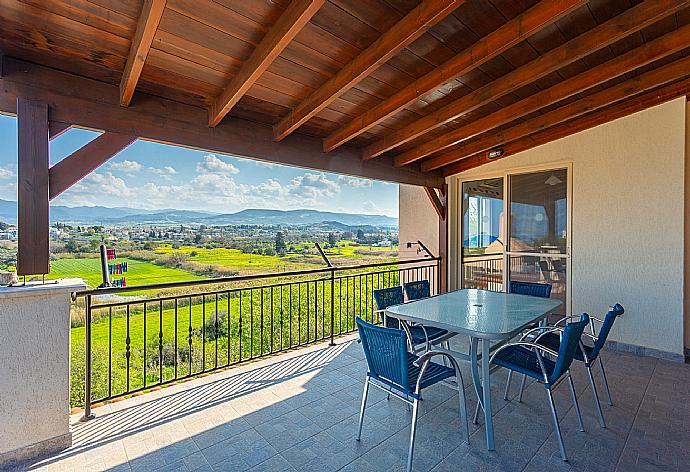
{"x": 56, "y": 128}
{"x": 488, "y": 47}
{"x": 85, "y": 160}
{"x": 616, "y": 67}
{"x": 150, "y": 17}
{"x": 293, "y": 19}
{"x": 672, "y": 72}
{"x": 436, "y": 202}
{"x": 94, "y": 104}
{"x": 596, "y": 118}
{"x": 404, "y": 32}
{"x": 607, "y": 33}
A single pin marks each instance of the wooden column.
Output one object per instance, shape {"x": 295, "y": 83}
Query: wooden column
{"x": 32, "y": 193}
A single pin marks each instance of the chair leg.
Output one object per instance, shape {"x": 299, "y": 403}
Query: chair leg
{"x": 361, "y": 411}
{"x": 505, "y": 394}
{"x": 597, "y": 404}
{"x": 463, "y": 410}
{"x": 413, "y": 432}
{"x": 606, "y": 383}
{"x": 475, "y": 418}
{"x": 522, "y": 387}
{"x": 556, "y": 425}
{"x": 575, "y": 404}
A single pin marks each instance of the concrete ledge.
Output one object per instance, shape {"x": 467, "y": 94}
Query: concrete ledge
{"x": 35, "y": 452}
{"x": 645, "y": 351}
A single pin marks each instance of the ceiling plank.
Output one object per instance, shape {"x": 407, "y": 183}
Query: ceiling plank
{"x": 649, "y": 80}
{"x": 150, "y": 17}
{"x": 92, "y": 104}
{"x": 614, "y": 112}
{"x": 291, "y": 22}
{"x": 56, "y": 128}
{"x": 516, "y": 30}
{"x": 85, "y": 160}
{"x": 404, "y": 32}
{"x": 633, "y": 59}
{"x": 607, "y": 33}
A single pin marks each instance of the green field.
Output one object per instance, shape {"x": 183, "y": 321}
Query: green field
{"x": 139, "y": 273}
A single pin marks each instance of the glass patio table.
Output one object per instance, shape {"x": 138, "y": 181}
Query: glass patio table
{"x": 490, "y": 317}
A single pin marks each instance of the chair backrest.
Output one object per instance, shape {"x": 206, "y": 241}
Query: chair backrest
{"x": 605, "y": 329}
{"x": 530, "y": 288}
{"x": 570, "y": 341}
{"x": 386, "y": 352}
{"x": 386, "y": 297}
{"x": 417, "y": 289}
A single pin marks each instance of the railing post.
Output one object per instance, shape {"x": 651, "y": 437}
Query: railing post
{"x": 332, "y": 343}
{"x": 87, "y": 381}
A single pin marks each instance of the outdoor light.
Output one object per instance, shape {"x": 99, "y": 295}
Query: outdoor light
{"x": 494, "y": 153}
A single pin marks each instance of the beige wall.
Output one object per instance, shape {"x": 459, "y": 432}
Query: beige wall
{"x": 687, "y": 226}
{"x": 417, "y": 221}
{"x": 628, "y": 220}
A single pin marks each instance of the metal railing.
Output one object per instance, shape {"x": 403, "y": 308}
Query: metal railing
{"x": 136, "y": 343}
{"x": 483, "y": 272}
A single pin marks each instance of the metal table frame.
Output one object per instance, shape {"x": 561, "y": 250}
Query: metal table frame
{"x": 482, "y": 385}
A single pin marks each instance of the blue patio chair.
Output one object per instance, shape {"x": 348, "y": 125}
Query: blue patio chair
{"x": 532, "y": 359}
{"x": 417, "y": 289}
{"x": 404, "y": 375}
{"x": 530, "y": 288}
{"x": 422, "y": 337}
{"x": 552, "y": 340}
{"x": 534, "y": 290}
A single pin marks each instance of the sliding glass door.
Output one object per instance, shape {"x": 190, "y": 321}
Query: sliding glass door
{"x": 535, "y": 246}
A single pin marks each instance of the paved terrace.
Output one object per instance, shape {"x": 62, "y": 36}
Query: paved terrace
{"x": 299, "y": 411}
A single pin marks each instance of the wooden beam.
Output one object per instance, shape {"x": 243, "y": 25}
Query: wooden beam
{"x": 600, "y": 36}
{"x": 485, "y": 49}
{"x": 436, "y": 202}
{"x": 657, "y": 49}
{"x": 85, "y": 160}
{"x": 150, "y": 17}
{"x": 32, "y": 194}
{"x": 92, "y": 104}
{"x": 404, "y": 32}
{"x": 291, "y": 22}
{"x": 649, "y": 80}
{"x": 56, "y": 128}
{"x": 596, "y": 118}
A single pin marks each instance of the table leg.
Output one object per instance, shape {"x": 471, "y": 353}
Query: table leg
{"x": 486, "y": 387}
{"x": 474, "y": 363}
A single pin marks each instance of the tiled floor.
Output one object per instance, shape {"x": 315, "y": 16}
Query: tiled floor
{"x": 299, "y": 412}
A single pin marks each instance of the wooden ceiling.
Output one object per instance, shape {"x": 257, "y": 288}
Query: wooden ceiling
{"x": 426, "y": 86}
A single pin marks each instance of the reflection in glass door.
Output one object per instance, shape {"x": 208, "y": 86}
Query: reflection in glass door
{"x": 483, "y": 237}
{"x": 534, "y": 248}
{"x": 538, "y": 245}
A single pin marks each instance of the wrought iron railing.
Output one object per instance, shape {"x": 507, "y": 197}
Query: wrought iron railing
{"x": 134, "y": 343}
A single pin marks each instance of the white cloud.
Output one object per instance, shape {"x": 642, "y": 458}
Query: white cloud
{"x": 6, "y": 173}
{"x": 166, "y": 170}
{"x": 128, "y": 167}
{"x": 356, "y": 182}
{"x": 211, "y": 163}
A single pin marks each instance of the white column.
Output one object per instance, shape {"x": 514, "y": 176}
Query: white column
{"x": 34, "y": 369}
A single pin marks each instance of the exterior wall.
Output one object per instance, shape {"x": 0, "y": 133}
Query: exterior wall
{"x": 627, "y": 220}
{"x": 418, "y": 221}
{"x": 687, "y": 228}
{"x": 34, "y": 370}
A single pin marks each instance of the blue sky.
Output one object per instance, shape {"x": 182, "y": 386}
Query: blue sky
{"x": 156, "y": 176}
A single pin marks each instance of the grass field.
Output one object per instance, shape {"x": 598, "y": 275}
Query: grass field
{"x": 140, "y": 273}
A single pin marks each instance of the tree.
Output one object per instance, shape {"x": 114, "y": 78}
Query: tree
{"x": 71, "y": 246}
{"x": 198, "y": 238}
{"x": 280, "y": 245}
{"x": 332, "y": 240}
{"x": 360, "y": 235}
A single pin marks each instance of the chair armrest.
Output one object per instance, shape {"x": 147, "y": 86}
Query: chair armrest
{"x": 558, "y": 329}
{"x": 529, "y": 332}
{"x": 423, "y": 361}
{"x": 565, "y": 318}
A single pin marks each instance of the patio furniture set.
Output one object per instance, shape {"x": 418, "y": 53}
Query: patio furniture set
{"x": 410, "y": 350}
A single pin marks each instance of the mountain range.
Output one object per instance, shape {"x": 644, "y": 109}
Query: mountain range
{"x": 123, "y": 216}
